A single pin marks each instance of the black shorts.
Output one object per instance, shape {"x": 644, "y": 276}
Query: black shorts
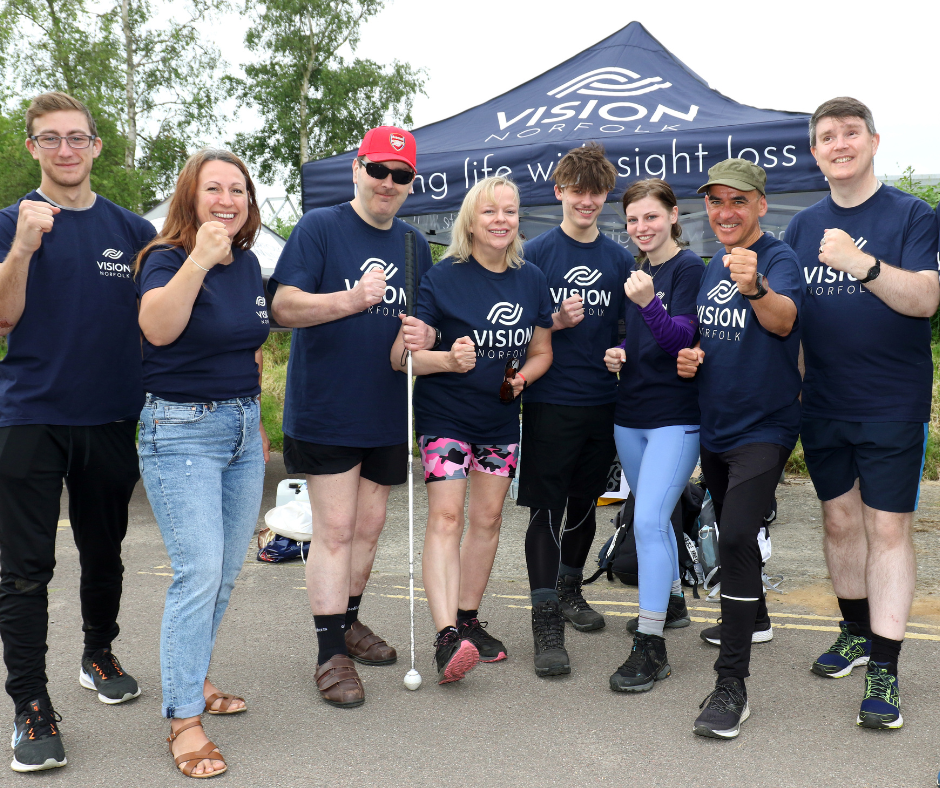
{"x": 385, "y": 465}
{"x": 887, "y": 458}
{"x": 566, "y": 453}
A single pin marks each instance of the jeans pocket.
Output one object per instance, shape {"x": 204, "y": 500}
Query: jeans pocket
{"x": 181, "y": 414}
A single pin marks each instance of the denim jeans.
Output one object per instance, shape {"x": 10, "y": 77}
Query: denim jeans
{"x": 203, "y": 469}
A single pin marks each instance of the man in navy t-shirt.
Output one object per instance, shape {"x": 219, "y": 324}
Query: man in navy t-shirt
{"x": 568, "y": 414}
{"x": 749, "y": 386}
{"x": 340, "y": 284}
{"x": 70, "y": 395}
{"x": 868, "y": 254}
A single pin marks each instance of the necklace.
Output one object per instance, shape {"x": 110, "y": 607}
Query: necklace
{"x": 659, "y": 267}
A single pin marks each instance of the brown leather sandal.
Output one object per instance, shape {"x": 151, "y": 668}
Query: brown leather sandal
{"x": 225, "y": 707}
{"x": 208, "y": 752}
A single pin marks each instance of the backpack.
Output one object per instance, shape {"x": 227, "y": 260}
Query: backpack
{"x": 618, "y": 556}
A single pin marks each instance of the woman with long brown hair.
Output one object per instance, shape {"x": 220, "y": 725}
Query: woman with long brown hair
{"x": 202, "y": 447}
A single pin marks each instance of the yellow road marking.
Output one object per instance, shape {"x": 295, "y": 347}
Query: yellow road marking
{"x": 162, "y": 574}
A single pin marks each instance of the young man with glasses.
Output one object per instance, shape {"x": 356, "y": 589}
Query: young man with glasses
{"x": 869, "y": 256}
{"x": 340, "y": 283}
{"x": 568, "y": 414}
{"x": 70, "y": 394}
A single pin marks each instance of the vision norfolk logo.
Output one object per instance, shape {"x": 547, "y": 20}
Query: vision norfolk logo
{"x": 393, "y": 300}
{"x": 503, "y": 342}
{"x": 722, "y": 322}
{"x": 111, "y": 266}
{"x": 582, "y": 277}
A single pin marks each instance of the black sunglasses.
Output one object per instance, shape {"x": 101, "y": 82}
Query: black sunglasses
{"x": 380, "y": 172}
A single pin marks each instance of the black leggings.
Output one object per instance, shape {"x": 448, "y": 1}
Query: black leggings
{"x": 544, "y": 550}
{"x": 742, "y": 483}
{"x": 99, "y": 466}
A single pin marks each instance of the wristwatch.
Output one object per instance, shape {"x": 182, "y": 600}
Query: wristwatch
{"x": 761, "y": 290}
{"x": 872, "y": 272}
{"x": 437, "y": 339}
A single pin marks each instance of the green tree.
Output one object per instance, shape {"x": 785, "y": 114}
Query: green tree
{"x": 313, "y": 101}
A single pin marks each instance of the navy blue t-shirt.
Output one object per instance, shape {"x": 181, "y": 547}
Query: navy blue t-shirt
{"x": 214, "y": 358}
{"x": 864, "y": 361}
{"x": 74, "y": 356}
{"x": 499, "y": 312}
{"x": 341, "y": 388}
{"x": 749, "y": 382}
{"x": 596, "y": 271}
{"x": 651, "y": 393}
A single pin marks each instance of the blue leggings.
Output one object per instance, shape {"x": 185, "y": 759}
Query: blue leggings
{"x": 657, "y": 464}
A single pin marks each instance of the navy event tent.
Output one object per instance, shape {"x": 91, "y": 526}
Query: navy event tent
{"x": 655, "y": 117}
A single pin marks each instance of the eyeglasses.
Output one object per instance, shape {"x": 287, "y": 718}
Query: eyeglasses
{"x": 380, "y": 172}
{"x": 506, "y": 393}
{"x": 52, "y": 141}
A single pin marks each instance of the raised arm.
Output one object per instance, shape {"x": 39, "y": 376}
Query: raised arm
{"x": 35, "y": 218}
{"x": 295, "y": 308}
{"x": 775, "y": 312}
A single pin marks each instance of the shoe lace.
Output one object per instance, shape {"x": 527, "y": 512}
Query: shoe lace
{"x": 107, "y": 666}
{"x": 846, "y": 643}
{"x": 573, "y": 596}
{"x": 442, "y": 641}
{"x": 878, "y": 684}
{"x": 636, "y": 657}
{"x": 475, "y": 630}
{"x": 40, "y": 723}
{"x": 549, "y": 628}
{"x": 725, "y": 697}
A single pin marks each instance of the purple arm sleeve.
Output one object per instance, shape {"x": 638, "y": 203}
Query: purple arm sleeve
{"x": 671, "y": 333}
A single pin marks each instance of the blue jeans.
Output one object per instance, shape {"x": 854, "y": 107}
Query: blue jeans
{"x": 657, "y": 464}
{"x": 203, "y": 469}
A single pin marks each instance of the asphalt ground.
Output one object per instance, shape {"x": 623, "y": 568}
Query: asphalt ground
{"x": 502, "y": 726}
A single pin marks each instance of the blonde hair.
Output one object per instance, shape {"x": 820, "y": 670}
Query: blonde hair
{"x": 461, "y": 243}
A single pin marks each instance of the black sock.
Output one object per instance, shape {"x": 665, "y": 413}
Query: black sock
{"x": 88, "y": 652}
{"x": 886, "y": 650}
{"x": 856, "y": 612}
{"x": 331, "y": 636}
{"x": 443, "y": 632}
{"x": 542, "y": 553}
{"x": 352, "y": 610}
{"x": 463, "y": 616}
{"x": 579, "y": 530}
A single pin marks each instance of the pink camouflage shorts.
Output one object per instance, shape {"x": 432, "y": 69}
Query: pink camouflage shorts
{"x": 444, "y": 458}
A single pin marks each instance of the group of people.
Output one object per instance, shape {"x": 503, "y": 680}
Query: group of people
{"x": 111, "y": 324}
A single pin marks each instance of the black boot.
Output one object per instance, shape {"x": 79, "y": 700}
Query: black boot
{"x": 548, "y": 633}
{"x": 646, "y": 664}
{"x": 677, "y": 615}
{"x": 574, "y": 607}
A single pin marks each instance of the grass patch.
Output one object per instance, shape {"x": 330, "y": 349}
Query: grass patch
{"x": 796, "y": 465}
{"x": 276, "y": 351}
{"x": 932, "y": 457}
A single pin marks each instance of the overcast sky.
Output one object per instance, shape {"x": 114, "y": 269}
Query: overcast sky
{"x": 787, "y": 56}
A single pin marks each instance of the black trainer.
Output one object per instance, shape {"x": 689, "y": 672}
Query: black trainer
{"x": 454, "y": 658}
{"x": 725, "y": 709}
{"x": 37, "y": 743}
{"x": 548, "y": 634}
{"x": 102, "y": 672}
{"x": 677, "y": 615}
{"x": 574, "y": 607}
{"x": 489, "y": 648}
{"x": 646, "y": 664}
{"x": 763, "y": 632}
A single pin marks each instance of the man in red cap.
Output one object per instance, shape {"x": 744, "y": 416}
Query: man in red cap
{"x": 340, "y": 284}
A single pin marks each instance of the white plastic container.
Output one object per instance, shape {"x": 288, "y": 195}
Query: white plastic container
{"x": 291, "y": 490}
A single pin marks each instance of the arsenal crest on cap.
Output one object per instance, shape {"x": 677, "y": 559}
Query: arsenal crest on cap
{"x": 397, "y": 141}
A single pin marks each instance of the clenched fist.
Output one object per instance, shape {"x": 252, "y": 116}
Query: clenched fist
{"x": 742, "y": 265}
{"x": 213, "y": 246}
{"x": 416, "y": 334}
{"x": 463, "y": 355}
{"x": 35, "y": 218}
{"x": 571, "y": 311}
{"x": 639, "y": 288}
{"x": 688, "y": 361}
{"x": 369, "y": 290}
{"x": 614, "y": 358}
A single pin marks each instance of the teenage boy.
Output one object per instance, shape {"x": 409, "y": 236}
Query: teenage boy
{"x": 869, "y": 256}
{"x": 339, "y": 283}
{"x": 568, "y": 414}
{"x": 70, "y": 396}
{"x": 749, "y": 388}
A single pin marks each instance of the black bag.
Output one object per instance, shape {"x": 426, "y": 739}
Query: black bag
{"x": 618, "y": 558}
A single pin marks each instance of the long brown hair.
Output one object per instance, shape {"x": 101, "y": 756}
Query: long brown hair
{"x": 661, "y": 191}
{"x": 181, "y": 224}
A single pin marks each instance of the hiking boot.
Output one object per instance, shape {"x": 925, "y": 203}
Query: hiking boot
{"x": 677, "y": 615}
{"x": 454, "y": 658}
{"x": 763, "y": 632}
{"x": 646, "y": 664}
{"x": 850, "y": 650}
{"x": 548, "y": 633}
{"x": 489, "y": 648}
{"x": 37, "y": 744}
{"x": 881, "y": 705}
{"x": 725, "y": 709}
{"x": 102, "y": 672}
{"x": 582, "y": 616}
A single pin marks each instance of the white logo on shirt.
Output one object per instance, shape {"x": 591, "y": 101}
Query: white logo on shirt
{"x": 376, "y": 263}
{"x": 109, "y": 266}
{"x": 114, "y": 254}
{"x": 259, "y": 301}
{"x": 723, "y": 292}
{"x": 505, "y": 313}
{"x": 582, "y": 276}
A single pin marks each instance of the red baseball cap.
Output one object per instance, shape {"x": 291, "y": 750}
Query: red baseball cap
{"x": 390, "y": 143}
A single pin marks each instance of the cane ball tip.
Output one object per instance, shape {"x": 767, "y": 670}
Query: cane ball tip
{"x": 412, "y": 679}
